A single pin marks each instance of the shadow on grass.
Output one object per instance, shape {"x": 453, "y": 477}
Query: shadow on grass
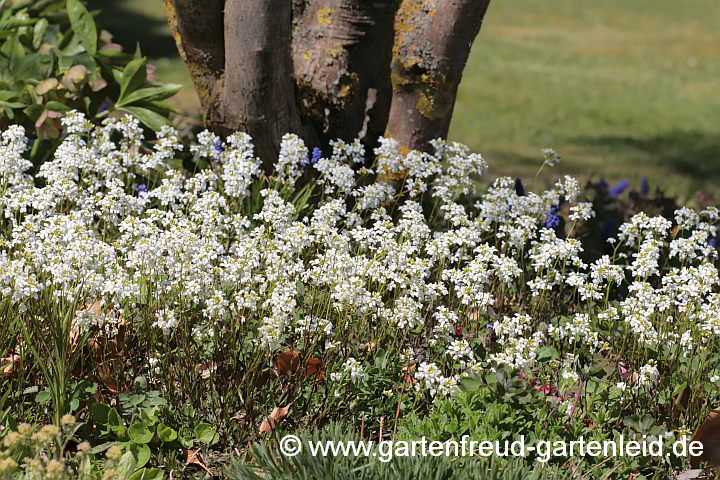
{"x": 693, "y": 154}
{"x": 130, "y": 27}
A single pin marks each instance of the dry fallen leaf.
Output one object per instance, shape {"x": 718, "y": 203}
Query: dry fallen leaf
{"x": 192, "y": 457}
{"x": 409, "y": 376}
{"x": 277, "y": 414}
{"x": 314, "y": 367}
{"x": 691, "y": 475}
{"x": 206, "y": 370}
{"x": 238, "y": 417}
{"x": 289, "y": 362}
{"x": 7, "y": 364}
{"x": 680, "y": 402}
{"x": 709, "y": 435}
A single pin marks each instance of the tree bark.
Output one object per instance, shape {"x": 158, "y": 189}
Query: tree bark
{"x": 197, "y": 28}
{"x": 259, "y": 93}
{"x": 342, "y": 53}
{"x": 432, "y": 44}
{"x": 327, "y": 69}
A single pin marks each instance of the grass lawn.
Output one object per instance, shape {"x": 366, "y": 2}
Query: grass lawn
{"x": 618, "y": 88}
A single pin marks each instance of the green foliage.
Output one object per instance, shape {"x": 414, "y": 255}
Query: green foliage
{"x": 267, "y": 462}
{"x": 53, "y": 59}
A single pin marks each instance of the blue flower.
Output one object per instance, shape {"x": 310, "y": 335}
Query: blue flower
{"x": 644, "y": 186}
{"x": 103, "y": 107}
{"x": 316, "y": 156}
{"x": 218, "y": 146}
{"x": 553, "y": 219}
{"x": 713, "y": 242}
{"x": 519, "y": 189}
{"x": 142, "y": 188}
{"x": 619, "y": 188}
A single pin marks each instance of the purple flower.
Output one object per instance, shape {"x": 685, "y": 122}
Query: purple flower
{"x": 553, "y": 219}
{"x": 316, "y": 156}
{"x": 619, "y": 188}
{"x": 218, "y": 146}
{"x": 519, "y": 189}
{"x": 142, "y": 188}
{"x": 644, "y": 186}
{"x": 103, "y": 107}
{"x": 713, "y": 242}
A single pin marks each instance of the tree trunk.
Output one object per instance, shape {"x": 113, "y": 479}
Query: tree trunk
{"x": 327, "y": 69}
{"x": 432, "y": 44}
{"x": 197, "y": 27}
{"x": 342, "y": 53}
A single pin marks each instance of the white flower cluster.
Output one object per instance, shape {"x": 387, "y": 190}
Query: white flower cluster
{"x": 112, "y": 220}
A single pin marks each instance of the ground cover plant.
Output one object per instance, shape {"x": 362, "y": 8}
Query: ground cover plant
{"x": 181, "y": 315}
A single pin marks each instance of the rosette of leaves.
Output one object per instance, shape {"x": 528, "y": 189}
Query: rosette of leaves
{"x": 53, "y": 59}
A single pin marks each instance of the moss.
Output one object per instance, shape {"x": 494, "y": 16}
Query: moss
{"x": 324, "y": 16}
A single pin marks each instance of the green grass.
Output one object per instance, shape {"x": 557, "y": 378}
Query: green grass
{"x": 618, "y": 88}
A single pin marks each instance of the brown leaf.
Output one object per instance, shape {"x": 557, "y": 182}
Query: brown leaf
{"x": 192, "y": 457}
{"x": 7, "y": 365}
{"x": 239, "y": 417}
{"x": 206, "y": 370}
{"x": 409, "y": 376}
{"x": 314, "y": 367}
{"x": 277, "y": 414}
{"x": 288, "y": 361}
{"x": 680, "y": 403}
{"x": 709, "y": 435}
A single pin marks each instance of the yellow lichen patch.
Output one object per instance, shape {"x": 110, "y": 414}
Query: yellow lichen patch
{"x": 435, "y": 98}
{"x": 324, "y": 16}
{"x": 347, "y": 88}
{"x": 335, "y": 51}
{"x": 307, "y": 55}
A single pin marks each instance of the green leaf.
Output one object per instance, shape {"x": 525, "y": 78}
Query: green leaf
{"x": 56, "y": 106}
{"x": 133, "y": 76}
{"x": 151, "y": 93}
{"x": 114, "y": 419}
{"x": 12, "y": 104}
{"x": 141, "y": 453}
{"x": 43, "y": 397}
{"x": 34, "y": 66}
{"x": 470, "y": 384}
{"x": 545, "y": 354}
{"x": 152, "y": 119}
{"x": 102, "y": 447}
{"x": 148, "y": 474}
{"x": 126, "y": 466}
{"x": 99, "y": 412}
{"x": 140, "y": 433}
{"x": 206, "y": 433}
{"x": 83, "y": 25}
{"x": 33, "y": 111}
{"x": 165, "y": 433}
{"x": 39, "y": 32}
